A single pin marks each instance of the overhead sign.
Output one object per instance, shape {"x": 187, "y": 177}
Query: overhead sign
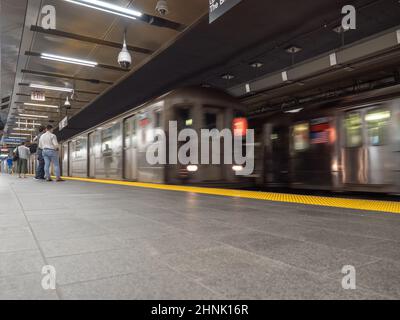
{"x": 63, "y": 123}
{"x": 13, "y": 140}
{"x": 38, "y": 96}
{"x": 220, "y": 7}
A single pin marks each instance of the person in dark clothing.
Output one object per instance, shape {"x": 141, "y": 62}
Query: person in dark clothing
{"x": 39, "y": 154}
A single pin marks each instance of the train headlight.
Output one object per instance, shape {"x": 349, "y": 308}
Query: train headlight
{"x": 192, "y": 168}
{"x": 237, "y": 168}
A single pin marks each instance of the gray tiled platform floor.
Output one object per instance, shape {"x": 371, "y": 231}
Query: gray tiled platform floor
{"x": 114, "y": 242}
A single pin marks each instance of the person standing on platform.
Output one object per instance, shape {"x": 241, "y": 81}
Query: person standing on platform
{"x": 10, "y": 165}
{"x": 49, "y": 145}
{"x": 23, "y": 157}
{"x": 39, "y": 154}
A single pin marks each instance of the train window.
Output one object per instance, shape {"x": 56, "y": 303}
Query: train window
{"x": 157, "y": 115}
{"x": 210, "y": 120}
{"x": 301, "y": 133}
{"x": 127, "y": 132}
{"x": 377, "y": 126}
{"x": 183, "y": 118}
{"x": 353, "y": 127}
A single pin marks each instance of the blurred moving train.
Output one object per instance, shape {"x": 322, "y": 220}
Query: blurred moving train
{"x": 117, "y": 148}
{"x": 349, "y": 144}
{"x": 345, "y": 145}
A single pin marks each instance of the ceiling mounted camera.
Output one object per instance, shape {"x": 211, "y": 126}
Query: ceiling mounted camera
{"x": 124, "y": 57}
{"x": 162, "y": 7}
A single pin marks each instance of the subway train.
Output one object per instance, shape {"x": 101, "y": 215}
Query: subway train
{"x": 351, "y": 144}
{"x": 116, "y": 149}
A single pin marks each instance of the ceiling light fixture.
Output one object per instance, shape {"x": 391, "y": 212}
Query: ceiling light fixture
{"x": 256, "y": 64}
{"x": 39, "y": 105}
{"x": 293, "y": 49}
{"x": 294, "y": 110}
{"x": 108, "y": 7}
{"x": 81, "y": 62}
{"x": 32, "y": 116}
{"x": 227, "y": 76}
{"x": 52, "y": 88}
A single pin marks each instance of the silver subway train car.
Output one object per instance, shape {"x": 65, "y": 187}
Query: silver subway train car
{"x": 117, "y": 148}
{"x": 336, "y": 146}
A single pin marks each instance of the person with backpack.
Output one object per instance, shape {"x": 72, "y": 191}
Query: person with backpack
{"x": 23, "y": 154}
{"x": 39, "y": 154}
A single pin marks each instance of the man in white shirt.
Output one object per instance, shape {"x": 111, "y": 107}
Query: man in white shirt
{"x": 23, "y": 157}
{"x": 49, "y": 145}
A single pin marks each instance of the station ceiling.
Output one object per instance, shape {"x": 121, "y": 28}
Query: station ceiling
{"x": 82, "y": 33}
{"x": 190, "y": 51}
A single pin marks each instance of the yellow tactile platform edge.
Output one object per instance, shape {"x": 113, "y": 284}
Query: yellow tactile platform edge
{"x": 357, "y": 204}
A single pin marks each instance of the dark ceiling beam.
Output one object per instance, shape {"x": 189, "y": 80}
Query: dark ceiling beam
{"x": 99, "y": 65}
{"x": 64, "y": 76}
{"x": 6, "y": 99}
{"x": 54, "y": 98}
{"x": 162, "y": 23}
{"x": 76, "y": 90}
{"x": 83, "y": 38}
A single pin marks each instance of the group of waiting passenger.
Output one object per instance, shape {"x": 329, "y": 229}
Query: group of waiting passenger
{"x": 46, "y": 153}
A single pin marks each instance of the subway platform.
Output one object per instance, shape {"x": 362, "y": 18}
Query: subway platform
{"x": 109, "y": 241}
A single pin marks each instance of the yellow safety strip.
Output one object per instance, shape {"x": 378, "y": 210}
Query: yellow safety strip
{"x": 357, "y": 204}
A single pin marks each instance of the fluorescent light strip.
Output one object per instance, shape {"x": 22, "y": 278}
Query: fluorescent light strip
{"x": 40, "y": 105}
{"x": 108, "y": 7}
{"x": 21, "y": 134}
{"x": 29, "y": 124}
{"x": 44, "y": 87}
{"x": 54, "y": 57}
{"x": 24, "y": 129}
{"x": 32, "y": 115}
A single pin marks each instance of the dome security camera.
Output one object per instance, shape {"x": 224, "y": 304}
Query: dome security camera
{"x": 162, "y": 7}
{"x": 124, "y": 57}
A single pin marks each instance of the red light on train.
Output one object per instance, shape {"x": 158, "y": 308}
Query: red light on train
{"x": 240, "y": 127}
{"x": 332, "y": 135}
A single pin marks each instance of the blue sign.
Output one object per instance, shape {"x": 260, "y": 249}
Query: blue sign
{"x": 13, "y": 140}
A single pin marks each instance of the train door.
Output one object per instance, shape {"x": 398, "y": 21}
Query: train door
{"x": 92, "y": 155}
{"x": 379, "y": 155}
{"x": 276, "y": 144}
{"x": 130, "y": 148}
{"x": 213, "y": 118}
{"x": 366, "y": 154}
{"x": 64, "y": 161}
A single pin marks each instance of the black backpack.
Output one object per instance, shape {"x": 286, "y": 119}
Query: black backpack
{"x": 33, "y": 148}
{"x": 16, "y": 155}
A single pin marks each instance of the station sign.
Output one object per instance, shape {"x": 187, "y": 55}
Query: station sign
{"x": 63, "y": 123}
{"x": 220, "y": 7}
{"x": 38, "y": 96}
